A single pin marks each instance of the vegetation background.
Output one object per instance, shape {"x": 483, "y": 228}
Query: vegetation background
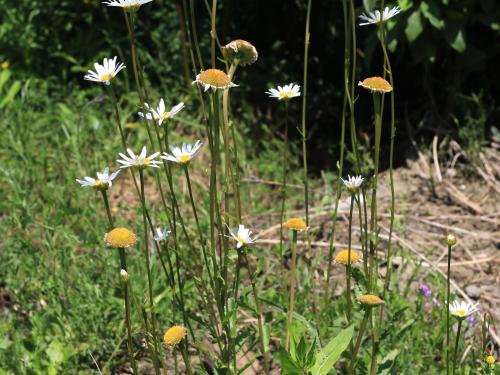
{"x": 57, "y": 313}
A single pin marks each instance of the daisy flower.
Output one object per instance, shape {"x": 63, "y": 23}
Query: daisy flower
{"x": 106, "y": 72}
{"x": 242, "y": 237}
{"x": 375, "y": 17}
{"x": 286, "y": 92}
{"x": 184, "y": 154}
{"x": 160, "y": 114}
{"x": 127, "y": 5}
{"x": 140, "y": 161}
{"x": 462, "y": 309}
{"x": 353, "y": 183}
{"x": 161, "y": 235}
{"x": 104, "y": 180}
{"x": 214, "y": 79}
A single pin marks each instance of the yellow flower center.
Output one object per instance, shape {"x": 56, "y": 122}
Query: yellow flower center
{"x": 343, "y": 257}
{"x": 164, "y": 116}
{"x": 120, "y": 238}
{"x": 284, "y": 94}
{"x": 214, "y": 77}
{"x": 239, "y": 239}
{"x": 490, "y": 360}
{"x": 460, "y": 313}
{"x": 295, "y": 224}
{"x": 131, "y": 8}
{"x": 370, "y": 300}
{"x": 184, "y": 158}
{"x": 107, "y": 77}
{"x": 98, "y": 184}
{"x": 174, "y": 336}
{"x": 376, "y": 84}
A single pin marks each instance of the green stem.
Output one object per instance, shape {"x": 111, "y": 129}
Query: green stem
{"x": 213, "y": 32}
{"x": 108, "y": 211}
{"x": 285, "y": 175}
{"x": 455, "y": 352}
{"x": 362, "y": 329}
{"x": 448, "y": 311}
{"x": 349, "y": 267}
{"x": 292, "y": 288}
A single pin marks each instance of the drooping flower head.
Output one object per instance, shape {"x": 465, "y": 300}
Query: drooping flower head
{"x": 161, "y": 234}
{"x": 106, "y": 72}
{"x": 160, "y": 114}
{"x": 127, "y": 5}
{"x": 425, "y": 290}
{"x": 214, "y": 79}
{"x": 120, "y": 238}
{"x": 241, "y": 52}
{"x": 343, "y": 257}
{"x": 184, "y": 154}
{"x": 104, "y": 180}
{"x": 286, "y": 92}
{"x": 140, "y": 161}
{"x": 173, "y": 336}
{"x": 376, "y": 85}
{"x": 353, "y": 183}
{"x": 295, "y": 224}
{"x": 462, "y": 309}
{"x": 370, "y": 300}
{"x": 242, "y": 237}
{"x": 376, "y": 17}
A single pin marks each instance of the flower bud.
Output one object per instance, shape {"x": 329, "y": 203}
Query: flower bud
{"x": 124, "y": 275}
{"x": 451, "y": 240}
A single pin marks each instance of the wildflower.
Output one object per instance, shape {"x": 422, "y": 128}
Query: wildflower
{"x": 140, "y": 161}
{"x": 286, "y": 92}
{"x": 106, "y": 72}
{"x": 174, "y": 336}
{"x": 5, "y": 65}
{"x": 124, "y": 275}
{"x": 120, "y": 238}
{"x": 127, "y": 5}
{"x": 159, "y": 114}
{"x": 376, "y": 85}
{"x": 104, "y": 180}
{"x": 184, "y": 154}
{"x": 161, "y": 235}
{"x": 425, "y": 290}
{"x": 451, "y": 240}
{"x": 343, "y": 257}
{"x": 242, "y": 237}
{"x": 370, "y": 300}
{"x": 377, "y": 17}
{"x": 462, "y": 309}
{"x": 240, "y": 52}
{"x": 353, "y": 183}
{"x": 471, "y": 321}
{"x": 490, "y": 360}
{"x": 295, "y": 224}
{"x": 214, "y": 79}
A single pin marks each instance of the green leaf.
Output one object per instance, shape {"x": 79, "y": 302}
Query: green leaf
{"x": 13, "y": 90}
{"x": 455, "y": 35}
{"x": 330, "y": 354}
{"x": 55, "y": 352}
{"x": 414, "y": 26}
{"x": 386, "y": 364}
{"x": 430, "y": 11}
{"x": 369, "y": 5}
{"x": 288, "y": 366}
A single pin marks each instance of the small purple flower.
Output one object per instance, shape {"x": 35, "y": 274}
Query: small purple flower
{"x": 471, "y": 320}
{"x": 425, "y": 290}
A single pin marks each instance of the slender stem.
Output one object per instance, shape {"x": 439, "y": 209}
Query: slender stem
{"x": 448, "y": 311}
{"x": 213, "y": 32}
{"x": 362, "y": 329}
{"x": 292, "y": 288}
{"x": 108, "y": 211}
{"x": 349, "y": 267}
{"x": 455, "y": 352}
{"x": 304, "y": 104}
{"x": 195, "y": 33}
{"x": 285, "y": 175}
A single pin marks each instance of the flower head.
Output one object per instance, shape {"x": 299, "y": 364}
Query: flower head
{"x": 120, "y": 238}
{"x": 370, "y": 300}
{"x": 376, "y": 17}
{"x": 295, "y": 224}
{"x": 160, "y": 114}
{"x": 425, "y": 290}
{"x": 140, "y": 161}
{"x": 104, "y": 180}
{"x": 240, "y": 51}
{"x": 174, "y": 336}
{"x": 451, "y": 240}
{"x": 343, "y": 257}
{"x": 106, "y": 72}
{"x": 127, "y": 5}
{"x": 286, "y": 92}
{"x": 5, "y": 65}
{"x": 462, "y": 309}
{"x": 490, "y": 360}
{"x": 242, "y": 237}
{"x": 184, "y": 154}
{"x": 214, "y": 79}
{"x": 353, "y": 183}
{"x": 376, "y": 85}
{"x": 161, "y": 234}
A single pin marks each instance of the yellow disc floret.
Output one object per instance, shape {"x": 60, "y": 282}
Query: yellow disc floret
{"x": 295, "y": 223}
{"x": 370, "y": 300}
{"x": 120, "y": 238}
{"x": 490, "y": 360}
{"x": 174, "y": 336}
{"x": 376, "y": 84}
{"x": 343, "y": 257}
{"x": 214, "y": 77}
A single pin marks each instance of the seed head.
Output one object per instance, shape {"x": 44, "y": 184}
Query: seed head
{"x": 370, "y": 300}
{"x": 295, "y": 224}
{"x": 376, "y": 85}
{"x": 120, "y": 238}
{"x": 241, "y": 51}
{"x": 343, "y": 257}
{"x": 174, "y": 336}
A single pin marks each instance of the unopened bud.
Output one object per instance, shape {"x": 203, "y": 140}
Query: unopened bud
{"x": 451, "y": 240}
{"x": 124, "y": 275}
